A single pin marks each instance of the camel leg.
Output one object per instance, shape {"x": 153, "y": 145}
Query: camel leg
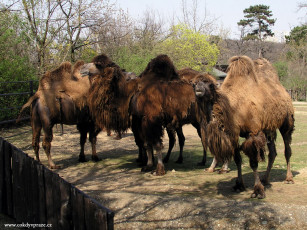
{"x": 224, "y": 168}
{"x": 212, "y": 166}
{"x": 258, "y": 187}
{"x": 171, "y": 143}
{"x": 93, "y": 139}
{"x": 272, "y": 155}
{"x": 288, "y": 152}
{"x": 202, "y": 135}
{"x": 181, "y": 139}
{"x": 48, "y": 136}
{"x": 149, "y": 166}
{"x": 239, "y": 186}
{"x": 211, "y": 169}
{"x": 36, "y": 132}
{"x": 160, "y": 171}
{"x": 83, "y": 135}
{"x": 93, "y": 132}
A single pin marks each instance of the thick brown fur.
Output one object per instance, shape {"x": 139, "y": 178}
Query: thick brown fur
{"x": 160, "y": 67}
{"x": 259, "y": 105}
{"x": 161, "y": 102}
{"x": 109, "y": 99}
{"x": 188, "y": 73}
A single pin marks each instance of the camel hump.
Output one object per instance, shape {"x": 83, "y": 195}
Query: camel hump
{"x": 161, "y": 67}
{"x": 56, "y": 75}
{"x": 242, "y": 66}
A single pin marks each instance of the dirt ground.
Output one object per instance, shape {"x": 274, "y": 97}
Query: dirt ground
{"x": 185, "y": 198}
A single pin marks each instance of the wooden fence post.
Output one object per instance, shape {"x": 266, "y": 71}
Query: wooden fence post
{"x": 2, "y": 194}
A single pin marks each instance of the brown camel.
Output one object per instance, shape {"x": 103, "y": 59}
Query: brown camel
{"x": 251, "y": 103}
{"x": 61, "y": 98}
{"x": 189, "y": 74}
{"x": 158, "y": 104}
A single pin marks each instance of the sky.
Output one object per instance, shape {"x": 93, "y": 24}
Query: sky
{"x": 226, "y": 12}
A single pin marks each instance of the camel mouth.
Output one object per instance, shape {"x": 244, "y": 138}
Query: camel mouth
{"x": 199, "y": 93}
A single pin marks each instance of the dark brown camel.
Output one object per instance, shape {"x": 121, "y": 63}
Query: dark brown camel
{"x": 251, "y": 103}
{"x": 152, "y": 99}
{"x": 189, "y": 74}
{"x": 158, "y": 104}
{"x": 61, "y": 99}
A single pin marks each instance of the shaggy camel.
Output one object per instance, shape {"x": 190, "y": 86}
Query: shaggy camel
{"x": 251, "y": 103}
{"x": 189, "y": 74}
{"x": 158, "y": 104}
{"x": 152, "y": 100}
{"x": 61, "y": 98}
{"x": 102, "y": 101}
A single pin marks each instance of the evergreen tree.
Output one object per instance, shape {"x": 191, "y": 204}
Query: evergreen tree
{"x": 258, "y": 19}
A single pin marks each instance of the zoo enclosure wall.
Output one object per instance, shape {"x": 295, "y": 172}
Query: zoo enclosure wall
{"x": 31, "y": 193}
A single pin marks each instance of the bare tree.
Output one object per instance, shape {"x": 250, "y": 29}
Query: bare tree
{"x": 197, "y": 21}
{"x": 40, "y": 15}
{"x": 79, "y": 17}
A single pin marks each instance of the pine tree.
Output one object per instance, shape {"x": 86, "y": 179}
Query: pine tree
{"x": 258, "y": 19}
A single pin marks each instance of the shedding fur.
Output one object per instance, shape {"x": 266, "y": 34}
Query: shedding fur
{"x": 109, "y": 99}
{"x": 259, "y": 105}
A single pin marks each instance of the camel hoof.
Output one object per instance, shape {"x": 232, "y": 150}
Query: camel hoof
{"x": 209, "y": 170}
{"x": 223, "y": 171}
{"x": 55, "y": 166}
{"x": 259, "y": 196}
{"x": 95, "y": 158}
{"x": 165, "y": 160}
{"x": 239, "y": 187}
{"x": 82, "y": 159}
{"x": 179, "y": 161}
{"x": 159, "y": 171}
{"x": 290, "y": 181}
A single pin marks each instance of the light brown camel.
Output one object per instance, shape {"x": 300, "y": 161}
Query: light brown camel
{"x": 251, "y": 103}
{"x": 61, "y": 98}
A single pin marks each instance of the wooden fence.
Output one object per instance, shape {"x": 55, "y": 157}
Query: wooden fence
{"x": 31, "y": 193}
{"x": 29, "y": 89}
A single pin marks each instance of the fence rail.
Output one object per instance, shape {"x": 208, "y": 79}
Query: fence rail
{"x": 31, "y": 193}
{"x": 13, "y": 94}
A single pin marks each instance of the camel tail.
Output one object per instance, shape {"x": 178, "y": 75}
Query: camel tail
{"x": 29, "y": 102}
{"x": 242, "y": 66}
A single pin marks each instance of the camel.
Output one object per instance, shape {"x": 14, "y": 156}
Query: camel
{"x": 61, "y": 98}
{"x": 158, "y": 104}
{"x": 151, "y": 99}
{"x": 189, "y": 74}
{"x": 251, "y": 103}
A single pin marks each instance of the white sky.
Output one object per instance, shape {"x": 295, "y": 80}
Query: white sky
{"x": 227, "y": 12}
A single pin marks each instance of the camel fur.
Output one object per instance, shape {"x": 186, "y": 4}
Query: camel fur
{"x": 61, "y": 98}
{"x": 256, "y": 105}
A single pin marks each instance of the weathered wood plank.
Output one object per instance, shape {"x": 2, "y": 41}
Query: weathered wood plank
{"x": 2, "y": 196}
{"x": 8, "y": 177}
{"x": 50, "y": 206}
{"x": 66, "y": 213}
{"x": 41, "y": 193}
{"x": 77, "y": 203}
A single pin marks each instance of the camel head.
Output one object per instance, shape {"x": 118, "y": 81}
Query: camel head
{"x": 97, "y": 66}
{"x": 205, "y": 87}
